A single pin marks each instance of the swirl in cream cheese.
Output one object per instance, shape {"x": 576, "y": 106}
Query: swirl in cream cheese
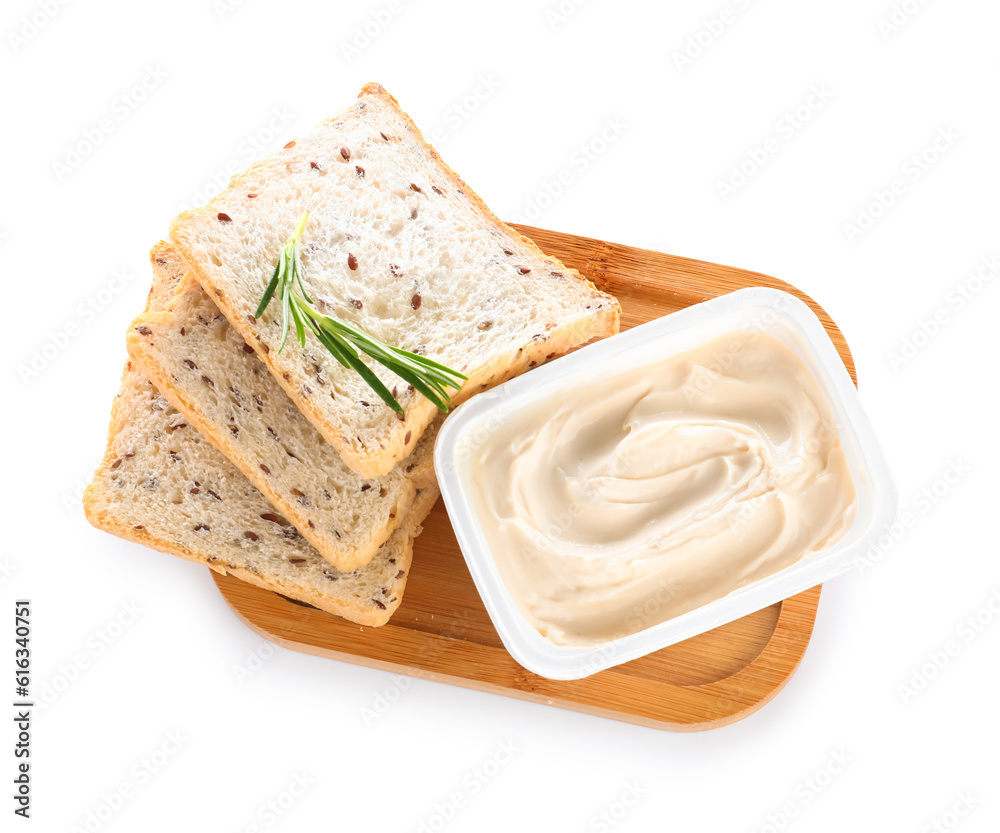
{"x": 615, "y": 506}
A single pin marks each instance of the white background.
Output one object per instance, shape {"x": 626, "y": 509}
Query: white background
{"x": 218, "y": 74}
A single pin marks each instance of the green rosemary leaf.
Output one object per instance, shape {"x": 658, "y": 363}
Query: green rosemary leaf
{"x": 286, "y": 301}
{"x": 344, "y": 341}
{"x": 269, "y": 292}
{"x": 300, "y": 325}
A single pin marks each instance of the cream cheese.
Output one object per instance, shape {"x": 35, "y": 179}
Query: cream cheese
{"x": 615, "y": 506}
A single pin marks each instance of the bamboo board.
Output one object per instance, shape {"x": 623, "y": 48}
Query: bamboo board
{"x": 442, "y": 631}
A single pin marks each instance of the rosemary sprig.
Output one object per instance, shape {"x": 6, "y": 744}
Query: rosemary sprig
{"x": 344, "y": 340}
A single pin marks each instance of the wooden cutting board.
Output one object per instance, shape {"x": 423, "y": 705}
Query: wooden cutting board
{"x": 442, "y": 631}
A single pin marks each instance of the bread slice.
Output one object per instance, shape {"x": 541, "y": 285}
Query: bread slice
{"x": 399, "y": 245}
{"x": 205, "y": 370}
{"x": 163, "y": 485}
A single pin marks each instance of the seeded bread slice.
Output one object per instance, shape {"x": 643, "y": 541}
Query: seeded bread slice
{"x": 163, "y": 485}
{"x": 205, "y": 370}
{"x": 399, "y": 245}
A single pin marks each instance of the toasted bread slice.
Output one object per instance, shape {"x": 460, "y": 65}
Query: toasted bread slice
{"x": 205, "y": 370}
{"x": 163, "y": 485}
{"x": 397, "y": 244}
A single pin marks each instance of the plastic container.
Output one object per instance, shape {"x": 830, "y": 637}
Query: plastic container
{"x": 772, "y": 311}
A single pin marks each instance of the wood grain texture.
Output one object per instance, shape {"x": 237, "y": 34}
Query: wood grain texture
{"x": 442, "y": 631}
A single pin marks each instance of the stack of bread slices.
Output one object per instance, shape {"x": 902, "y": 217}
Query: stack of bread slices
{"x": 281, "y": 466}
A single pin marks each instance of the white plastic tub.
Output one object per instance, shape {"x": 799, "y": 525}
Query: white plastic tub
{"x": 772, "y": 311}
